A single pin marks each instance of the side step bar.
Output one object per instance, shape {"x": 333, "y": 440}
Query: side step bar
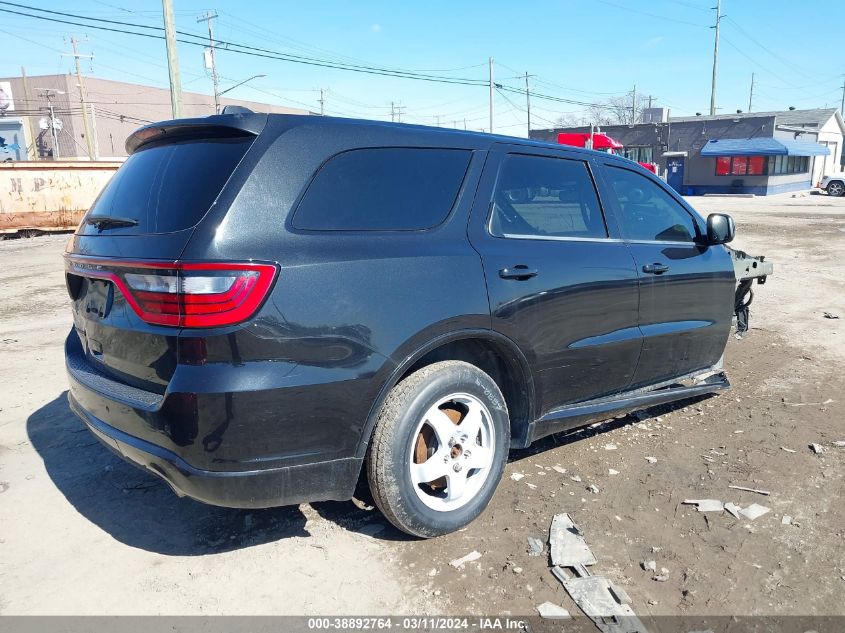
{"x": 576, "y": 415}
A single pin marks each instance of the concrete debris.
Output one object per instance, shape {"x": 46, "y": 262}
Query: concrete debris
{"x": 651, "y": 460}
{"x": 600, "y": 600}
{"x": 532, "y": 486}
{"x": 817, "y": 448}
{"x": 535, "y": 546}
{"x": 706, "y": 505}
{"x": 517, "y": 476}
{"x": 610, "y": 447}
{"x": 757, "y": 490}
{"x": 754, "y": 511}
{"x": 559, "y": 469}
{"x": 575, "y": 478}
{"x": 788, "y": 450}
{"x": 551, "y": 611}
{"x": 460, "y": 562}
{"x": 649, "y": 565}
{"x": 830, "y": 315}
{"x": 593, "y": 488}
{"x": 568, "y": 547}
{"x": 611, "y": 471}
{"x": 839, "y": 443}
{"x": 786, "y": 520}
{"x": 663, "y": 576}
{"x": 655, "y": 549}
{"x": 733, "y": 509}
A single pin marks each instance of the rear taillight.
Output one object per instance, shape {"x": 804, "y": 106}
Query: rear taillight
{"x": 184, "y": 294}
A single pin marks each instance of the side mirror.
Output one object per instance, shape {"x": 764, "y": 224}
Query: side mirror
{"x": 720, "y": 228}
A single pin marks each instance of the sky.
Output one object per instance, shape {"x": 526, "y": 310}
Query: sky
{"x": 586, "y": 51}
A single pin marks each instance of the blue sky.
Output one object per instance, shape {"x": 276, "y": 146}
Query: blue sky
{"x": 582, "y": 50}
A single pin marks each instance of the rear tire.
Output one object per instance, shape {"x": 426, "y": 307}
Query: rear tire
{"x": 835, "y": 188}
{"x": 438, "y": 449}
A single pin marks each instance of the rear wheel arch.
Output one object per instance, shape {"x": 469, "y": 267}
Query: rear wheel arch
{"x": 493, "y": 353}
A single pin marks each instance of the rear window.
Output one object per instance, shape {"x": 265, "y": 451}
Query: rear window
{"x": 169, "y": 187}
{"x": 383, "y": 189}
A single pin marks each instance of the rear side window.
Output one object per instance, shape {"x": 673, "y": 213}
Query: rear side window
{"x": 647, "y": 212}
{"x": 383, "y": 189}
{"x": 542, "y": 196}
{"x": 169, "y": 187}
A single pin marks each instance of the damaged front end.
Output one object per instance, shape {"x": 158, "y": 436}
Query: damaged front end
{"x": 747, "y": 268}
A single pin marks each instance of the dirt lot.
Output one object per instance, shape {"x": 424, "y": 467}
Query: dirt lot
{"x": 81, "y": 532}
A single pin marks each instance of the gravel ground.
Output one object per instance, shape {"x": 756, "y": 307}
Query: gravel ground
{"x": 83, "y": 533}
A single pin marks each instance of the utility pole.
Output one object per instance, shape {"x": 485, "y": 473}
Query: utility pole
{"x": 392, "y": 113}
{"x": 634, "y": 106}
{"x": 437, "y": 116}
{"x": 719, "y": 16}
{"x": 322, "y": 103}
{"x": 491, "y": 95}
{"x": 207, "y": 17}
{"x": 528, "y": 103}
{"x": 32, "y": 133}
{"x": 751, "y": 93}
{"x": 48, "y": 93}
{"x": 465, "y": 123}
{"x": 842, "y": 107}
{"x": 89, "y": 139}
{"x": 650, "y": 99}
{"x": 172, "y": 59}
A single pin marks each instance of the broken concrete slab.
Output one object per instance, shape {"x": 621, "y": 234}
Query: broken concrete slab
{"x": 602, "y": 602}
{"x": 649, "y": 565}
{"x": 551, "y": 611}
{"x": 559, "y": 469}
{"x": 568, "y": 547}
{"x": 733, "y": 509}
{"x": 535, "y": 546}
{"x": 651, "y": 460}
{"x": 839, "y": 443}
{"x": 818, "y": 449}
{"x": 754, "y": 511}
{"x": 705, "y": 505}
{"x": 460, "y": 562}
{"x": 612, "y": 471}
{"x": 517, "y": 476}
{"x": 786, "y": 520}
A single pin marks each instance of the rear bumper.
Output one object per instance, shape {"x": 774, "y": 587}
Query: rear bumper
{"x": 319, "y": 481}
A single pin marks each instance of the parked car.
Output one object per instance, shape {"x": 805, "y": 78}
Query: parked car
{"x": 265, "y": 305}
{"x": 833, "y": 184}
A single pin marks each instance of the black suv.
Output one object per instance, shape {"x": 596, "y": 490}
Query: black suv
{"x": 266, "y": 304}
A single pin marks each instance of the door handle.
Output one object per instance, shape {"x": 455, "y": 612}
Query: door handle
{"x": 655, "y": 269}
{"x": 519, "y": 272}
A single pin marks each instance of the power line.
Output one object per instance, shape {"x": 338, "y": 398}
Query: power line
{"x": 257, "y": 51}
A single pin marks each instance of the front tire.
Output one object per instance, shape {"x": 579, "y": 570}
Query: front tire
{"x": 835, "y": 188}
{"x": 439, "y": 448}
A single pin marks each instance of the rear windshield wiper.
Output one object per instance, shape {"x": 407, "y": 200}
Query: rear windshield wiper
{"x": 109, "y": 222}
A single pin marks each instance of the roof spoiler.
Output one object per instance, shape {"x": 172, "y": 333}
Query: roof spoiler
{"x": 231, "y": 123}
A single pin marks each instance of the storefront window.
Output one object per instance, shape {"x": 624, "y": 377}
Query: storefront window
{"x": 739, "y": 165}
{"x": 723, "y": 165}
{"x": 756, "y": 165}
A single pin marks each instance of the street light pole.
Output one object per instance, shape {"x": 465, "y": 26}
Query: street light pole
{"x": 239, "y": 84}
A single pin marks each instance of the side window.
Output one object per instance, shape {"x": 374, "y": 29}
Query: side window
{"x": 542, "y": 196}
{"x": 383, "y": 189}
{"x": 647, "y": 212}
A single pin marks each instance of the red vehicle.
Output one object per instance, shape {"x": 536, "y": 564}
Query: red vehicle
{"x": 601, "y": 143}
